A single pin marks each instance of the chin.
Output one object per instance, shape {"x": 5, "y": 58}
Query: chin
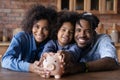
{"x": 81, "y": 45}
{"x": 39, "y": 41}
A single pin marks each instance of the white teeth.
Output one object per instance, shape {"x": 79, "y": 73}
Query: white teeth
{"x": 65, "y": 38}
{"x": 81, "y": 40}
{"x": 39, "y": 37}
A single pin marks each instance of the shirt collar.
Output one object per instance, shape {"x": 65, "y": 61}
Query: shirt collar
{"x": 34, "y": 47}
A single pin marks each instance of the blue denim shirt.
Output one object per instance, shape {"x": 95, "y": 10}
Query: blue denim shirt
{"x": 21, "y": 52}
{"x": 103, "y": 47}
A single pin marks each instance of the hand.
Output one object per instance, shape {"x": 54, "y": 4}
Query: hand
{"x": 34, "y": 67}
{"x": 67, "y": 61}
{"x": 38, "y": 69}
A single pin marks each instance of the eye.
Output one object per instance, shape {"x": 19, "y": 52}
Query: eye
{"x": 77, "y": 30}
{"x": 62, "y": 29}
{"x": 88, "y": 31}
{"x": 45, "y": 60}
{"x": 36, "y": 26}
{"x": 46, "y": 28}
{"x": 71, "y": 32}
{"x": 55, "y": 61}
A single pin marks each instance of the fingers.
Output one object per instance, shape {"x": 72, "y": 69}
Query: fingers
{"x": 48, "y": 53}
{"x": 37, "y": 63}
{"x": 60, "y": 51}
{"x": 36, "y": 68}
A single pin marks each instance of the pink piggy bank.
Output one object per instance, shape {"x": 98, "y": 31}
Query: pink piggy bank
{"x": 54, "y": 64}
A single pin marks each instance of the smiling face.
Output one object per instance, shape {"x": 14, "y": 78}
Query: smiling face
{"x": 65, "y": 33}
{"x": 83, "y": 34}
{"x": 40, "y": 30}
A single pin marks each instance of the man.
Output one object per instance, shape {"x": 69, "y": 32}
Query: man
{"x": 98, "y": 51}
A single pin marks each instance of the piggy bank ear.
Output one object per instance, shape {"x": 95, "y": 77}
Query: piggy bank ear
{"x": 61, "y": 57}
{"x": 44, "y": 55}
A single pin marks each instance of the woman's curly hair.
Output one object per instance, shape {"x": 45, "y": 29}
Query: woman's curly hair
{"x": 36, "y": 13}
{"x": 64, "y": 16}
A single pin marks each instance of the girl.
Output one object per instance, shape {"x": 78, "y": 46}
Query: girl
{"x": 64, "y": 32}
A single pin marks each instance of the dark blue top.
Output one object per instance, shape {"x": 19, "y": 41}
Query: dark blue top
{"x": 73, "y": 49}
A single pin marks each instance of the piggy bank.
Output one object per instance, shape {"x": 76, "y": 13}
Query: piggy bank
{"x": 54, "y": 64}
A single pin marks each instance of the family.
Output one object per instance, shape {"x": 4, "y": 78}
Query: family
{"x": 45, "y": 30}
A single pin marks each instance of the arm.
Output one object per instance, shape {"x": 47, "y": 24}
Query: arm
{"x": 92, "y": 66}
{"x": 103, "y": 58}
{"x": 12, "y": 59}
{"x": 50, "y": 47}
{"x": 102, "y": 64}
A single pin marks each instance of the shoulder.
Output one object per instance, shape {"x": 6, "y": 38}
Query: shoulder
{"x": 75, "y": 47}
{"x": 20, "y": 34}
{"x": 104, "y": 41}
{"x": 103, "y": 37}
{"x": 51, "y": 43}
{"x": 23, "y": 36}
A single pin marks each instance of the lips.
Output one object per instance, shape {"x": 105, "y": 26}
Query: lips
{"x": 39, "y": 37}
{"x": 65, "y": 39}
{"x": 81, "y": 40}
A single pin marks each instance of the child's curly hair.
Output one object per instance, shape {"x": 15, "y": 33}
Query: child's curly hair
{"x": 64, "y": 16}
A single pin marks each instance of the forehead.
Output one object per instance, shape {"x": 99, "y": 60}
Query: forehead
{"x": 67, "y": 25}
{"x": 42, "y": 21}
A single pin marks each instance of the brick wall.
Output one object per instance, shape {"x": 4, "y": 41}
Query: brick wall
{"x": 108, "y": 19}
{"x": 12, "y": 12}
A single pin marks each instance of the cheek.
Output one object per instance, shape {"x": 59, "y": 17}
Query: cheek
{"x": 46, "y": 33}
{"x": 71, "y": 36}
{"x": 58, "y": 34}
{"x": 88, "y": 36}
{"x": 75, "y": 35}
{"x": 34, "y": 30}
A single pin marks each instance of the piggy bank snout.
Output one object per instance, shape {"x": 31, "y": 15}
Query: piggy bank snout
{"x": 50, "y": 67}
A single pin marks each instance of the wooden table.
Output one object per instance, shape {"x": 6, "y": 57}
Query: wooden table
{"x": 106, "y": 75}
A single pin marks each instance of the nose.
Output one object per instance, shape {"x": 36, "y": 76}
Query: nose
{"x": 40, "y": 30}
{"x": 82, "y": 34}
{"x": 67, "y": 33}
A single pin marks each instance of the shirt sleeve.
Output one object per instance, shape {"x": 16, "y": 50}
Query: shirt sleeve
{"x": 76, "y": 52}
{"x": 50, "y": 47}
{"x": 12, "y": 58}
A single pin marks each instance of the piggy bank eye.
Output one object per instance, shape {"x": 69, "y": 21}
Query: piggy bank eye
{"x": 55, "y": 61}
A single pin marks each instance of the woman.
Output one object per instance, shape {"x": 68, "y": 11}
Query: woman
{"x": 26, "y": 47}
